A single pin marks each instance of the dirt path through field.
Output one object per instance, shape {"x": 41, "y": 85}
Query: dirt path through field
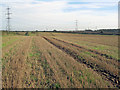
{"x": 94, "y": 54}
{"x": 89, "y": 50}
{"x": 64, "y": 67}
{"x": 37, "y": 62}
{"x": 97, "y": 65}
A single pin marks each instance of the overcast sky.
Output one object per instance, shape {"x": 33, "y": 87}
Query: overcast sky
{"x": 60, "y": 14}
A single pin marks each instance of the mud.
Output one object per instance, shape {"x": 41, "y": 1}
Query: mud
{"x": 105, "y": 74}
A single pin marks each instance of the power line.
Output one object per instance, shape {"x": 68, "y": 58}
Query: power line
{"x": 8, "y": 19}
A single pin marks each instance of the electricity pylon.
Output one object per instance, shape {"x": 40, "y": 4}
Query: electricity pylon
{"x": 8, "y": 19}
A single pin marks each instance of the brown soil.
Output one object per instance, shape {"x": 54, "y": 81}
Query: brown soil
{"x": 35, "y": 63}
{"x": 14, "y": 69}
{"x": 110, "y": 74}
{"x": 89, "y": 50}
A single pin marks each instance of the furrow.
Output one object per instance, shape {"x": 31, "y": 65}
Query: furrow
{"x": 90, "y": 50}
{"x": 105, "y": 73}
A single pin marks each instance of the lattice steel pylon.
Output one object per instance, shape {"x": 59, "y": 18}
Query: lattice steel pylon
{"x": 8, "y": 19}
{"x": 76, "y": 22}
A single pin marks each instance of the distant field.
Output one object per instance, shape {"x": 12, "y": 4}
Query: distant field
{"x": 59, "y": 60}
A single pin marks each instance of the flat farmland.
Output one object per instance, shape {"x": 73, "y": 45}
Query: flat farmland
{"x": 60, "y": 60}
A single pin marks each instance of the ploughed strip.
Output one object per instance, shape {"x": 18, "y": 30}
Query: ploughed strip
{"x": 93, "y": 51}
{"x": 106, "y": 74}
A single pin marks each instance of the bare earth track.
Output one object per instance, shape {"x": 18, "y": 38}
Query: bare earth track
{"x": 45, "y": 61}
{"x": 93, "y": 51}
{"x": 106, "y": 73}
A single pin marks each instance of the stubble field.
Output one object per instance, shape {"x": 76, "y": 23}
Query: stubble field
{"x": 59, "y": 60}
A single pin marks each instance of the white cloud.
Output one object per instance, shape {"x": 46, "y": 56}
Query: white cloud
{"x": 42, "y": 15}
{"x": 92, "y": 5}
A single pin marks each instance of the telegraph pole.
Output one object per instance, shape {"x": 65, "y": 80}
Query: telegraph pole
{"x": 8, "y": 19}
{"x": 76, "y": 22}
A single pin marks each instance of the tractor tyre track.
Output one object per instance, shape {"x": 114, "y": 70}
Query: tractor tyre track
{"x": 97, "y": 56}
{"x": 105, "y": 74}
{"x": 90, "y": 50}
